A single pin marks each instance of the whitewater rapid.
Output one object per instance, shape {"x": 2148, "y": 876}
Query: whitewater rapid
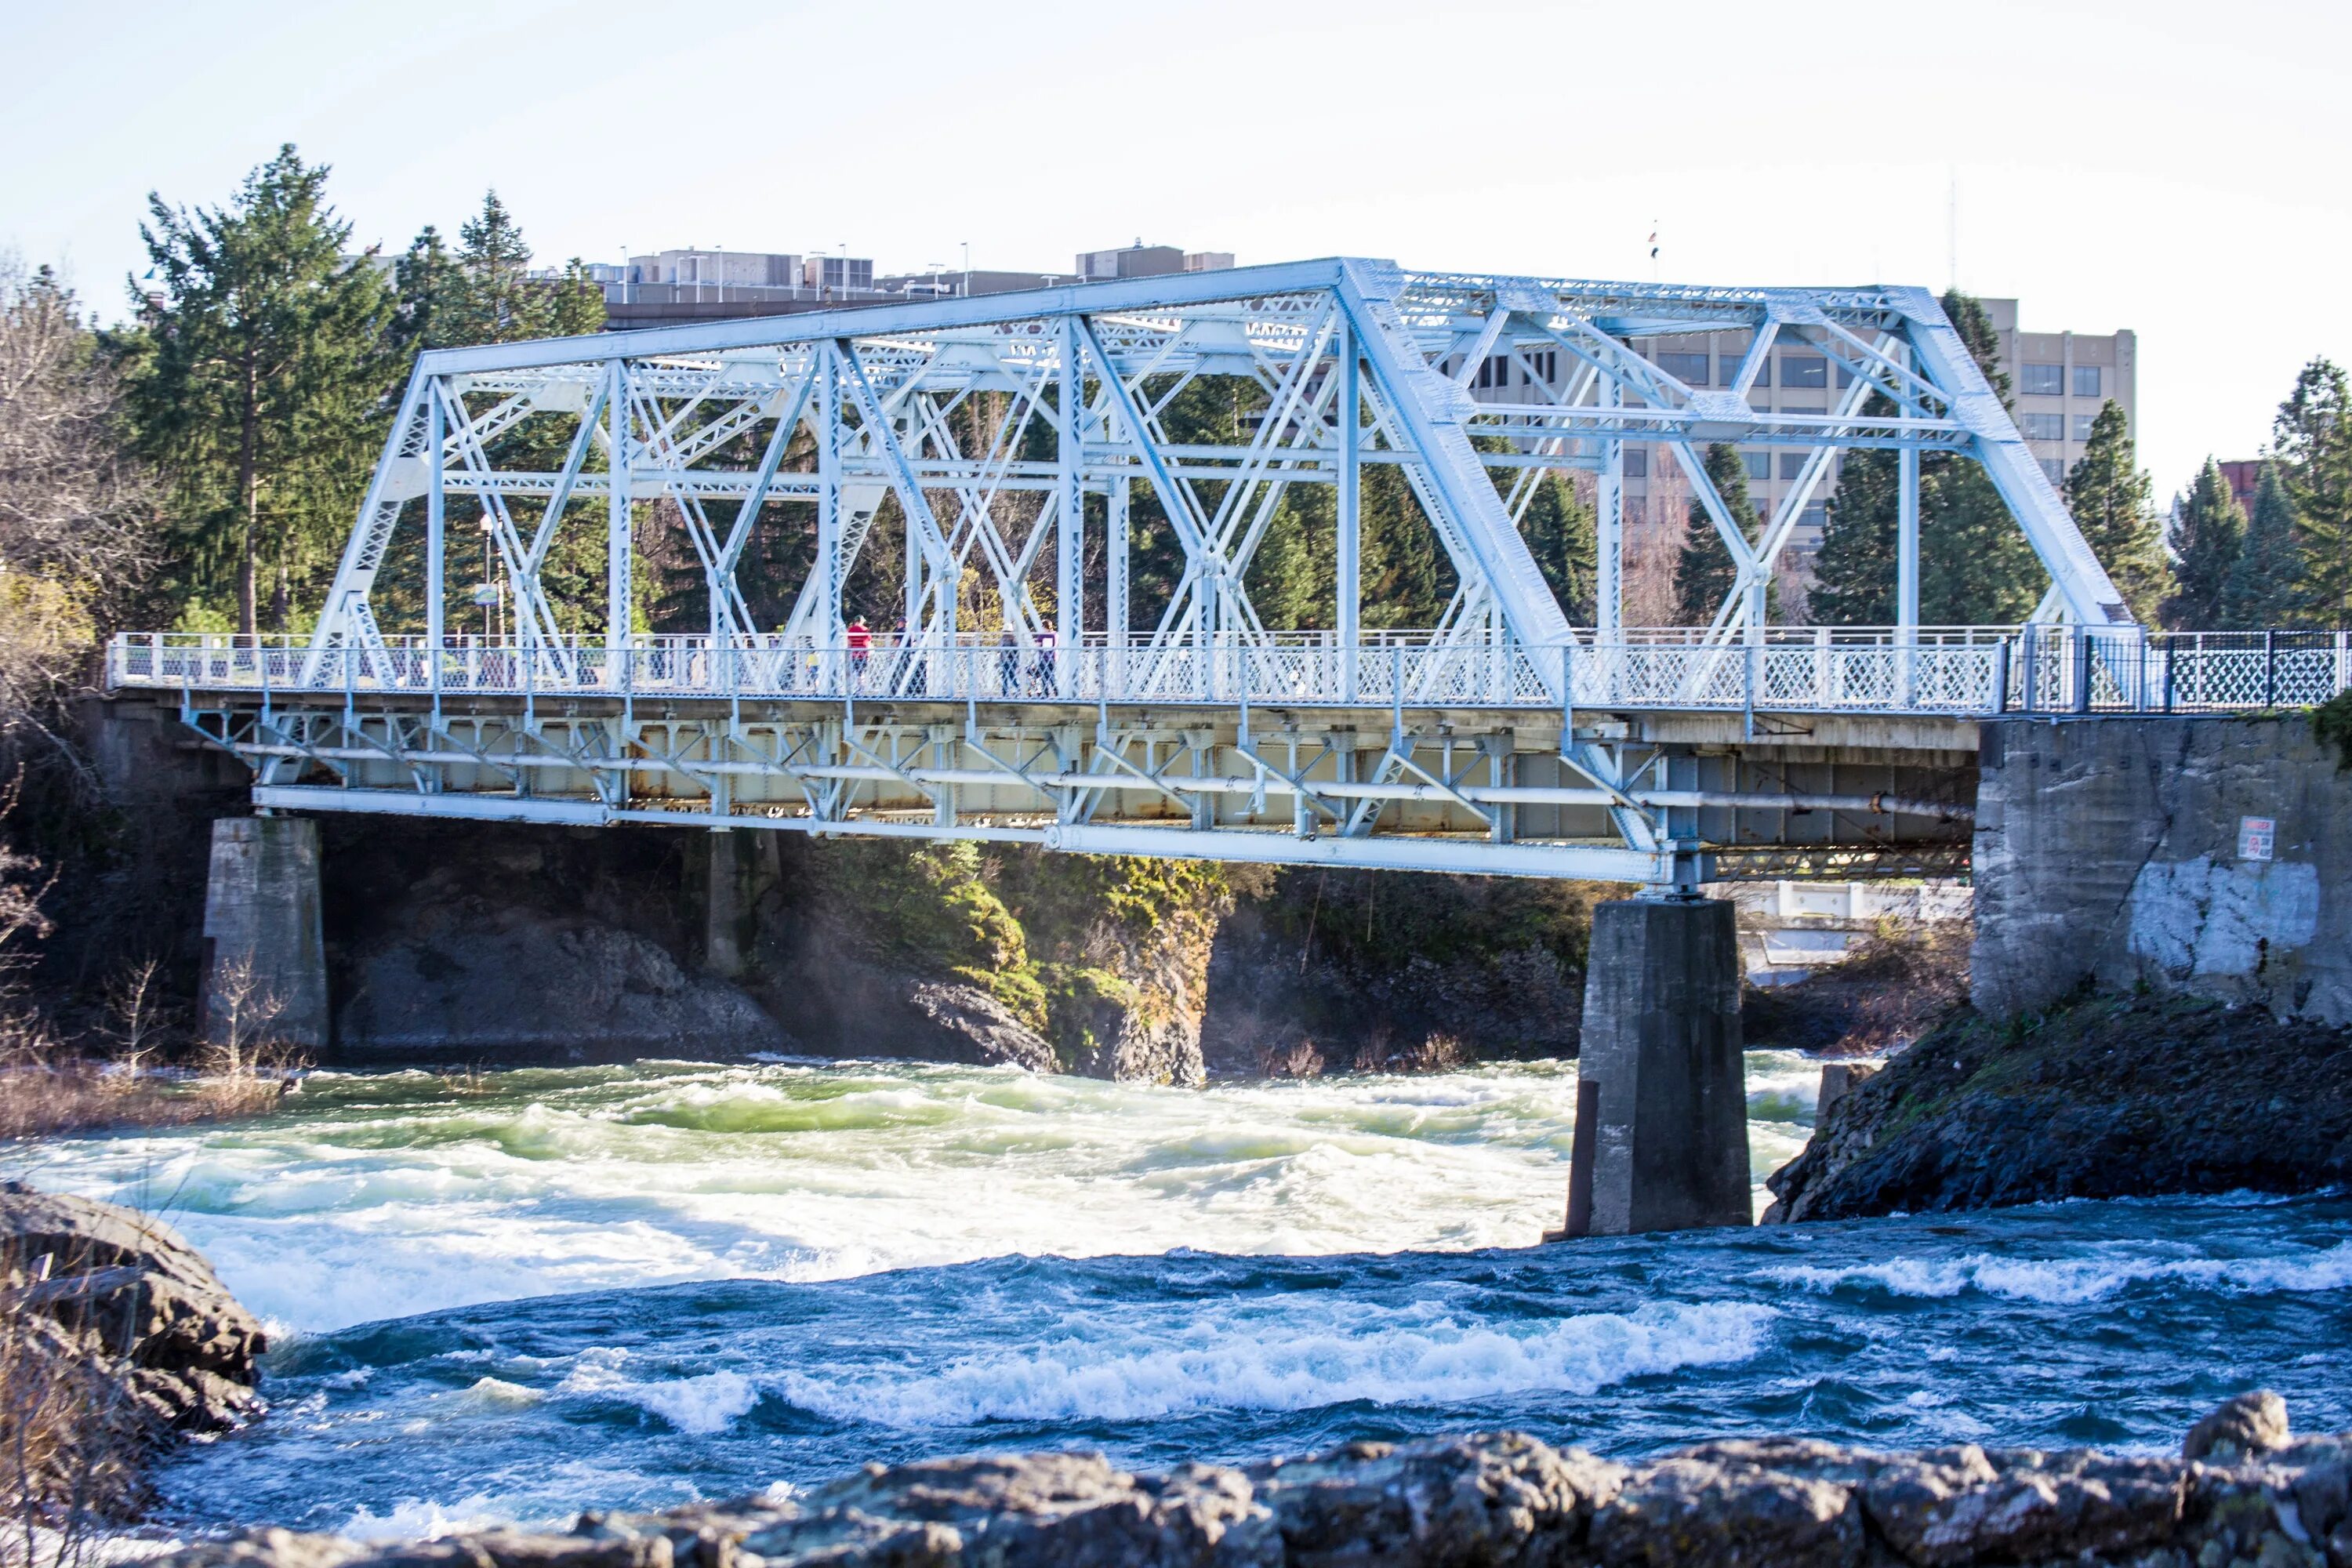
{"x": 386, "y": 1196}
{"x": 512, "y": 1297}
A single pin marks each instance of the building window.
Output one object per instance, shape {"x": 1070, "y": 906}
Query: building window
{"x": 1759, "y": 465}
{"x": 2087, "y": 381}
{"x": 2055, "y": 469}
{"x": 2042, "y": 380}
{"x": 1688, "y": 369}
{"x": 1543, "y": 364}
{"x": 1792, "y": 464}
{"x": 1495, "y": 370}
{"x": 1637, "y": 462}
{"x": 2043, "y": 426}
{"x": 1816, "y": 516}
{"x": 2083, "y": 426}
{"x": 1763, "y": 371}
{"x": 1804, "y": 371}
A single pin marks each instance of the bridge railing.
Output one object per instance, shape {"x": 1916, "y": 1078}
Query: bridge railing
{"x": 1960, "y": 671}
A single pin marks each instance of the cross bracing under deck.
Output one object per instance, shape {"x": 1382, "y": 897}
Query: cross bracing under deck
{"x": 1000, "y": 463}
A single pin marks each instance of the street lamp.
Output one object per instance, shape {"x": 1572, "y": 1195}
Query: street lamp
{"x": 490, "y": 593}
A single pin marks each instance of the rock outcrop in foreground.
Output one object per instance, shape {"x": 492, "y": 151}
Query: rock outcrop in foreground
{"x": 2243, "y": 1492}
{"x": 2106, "y": 1097}
{"x": 115, "y": 1336}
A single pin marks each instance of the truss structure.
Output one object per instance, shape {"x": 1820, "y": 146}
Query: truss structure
{"x": 1016, "y": 446}
{"x": 1351, "y": 363}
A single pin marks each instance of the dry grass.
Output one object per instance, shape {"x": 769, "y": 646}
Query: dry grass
{"x": 60, "y": 1096}
{"x": 72, "y": 1447}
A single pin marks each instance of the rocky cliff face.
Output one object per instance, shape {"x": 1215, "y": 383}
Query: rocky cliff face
{"x": 2241, "y": 1491}
{"x": 2105, "y": 1097}
{"x": 467, "y": 941}
{"x": 472, "y": 940}
{"x": 1323, "y": 971}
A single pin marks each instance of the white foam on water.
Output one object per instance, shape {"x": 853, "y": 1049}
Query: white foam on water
{"x": 384, "y": 1196}
{"x": 698, "y": 1406}
{"x": 379, "y": 1197}
{"x": 1262, "y": 1358}
{"x": 497, "y": 1393}
{"x": 416, "y": 1519}
{"x": 2073, "y": 1281}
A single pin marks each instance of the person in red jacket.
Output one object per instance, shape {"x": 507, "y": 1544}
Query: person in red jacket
{"x": 861, "y": 640}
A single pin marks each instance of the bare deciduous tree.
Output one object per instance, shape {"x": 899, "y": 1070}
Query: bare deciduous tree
{"x": 76, "y": 516}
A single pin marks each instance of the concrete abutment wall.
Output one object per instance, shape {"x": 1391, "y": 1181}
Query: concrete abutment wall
{"x": 2206, "y": 856}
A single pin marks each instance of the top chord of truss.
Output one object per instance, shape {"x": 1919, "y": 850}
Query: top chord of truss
{"x": 1003, "y": 433}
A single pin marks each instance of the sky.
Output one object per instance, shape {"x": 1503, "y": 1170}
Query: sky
{"x": 2178, "y": 169}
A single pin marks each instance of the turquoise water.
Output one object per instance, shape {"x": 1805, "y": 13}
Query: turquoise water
{"x": 633, "y": 1287}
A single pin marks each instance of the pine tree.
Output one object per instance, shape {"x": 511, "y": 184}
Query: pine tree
{"x": 1975, "y": 565}
{"x": 1560, "y": 534}
{"x": 427, "y": 290}
{"x": 2311, "y": 441}
{"x": 1854, "y": 571}
{"x": 257, "y": 381}
{"x": 1705, "y": 571}
{"x": 2108, "y": 494}
{"x": 2209, "y": 535}
{"x": 482, "y": 292}
{"x": 2261, "y": 587}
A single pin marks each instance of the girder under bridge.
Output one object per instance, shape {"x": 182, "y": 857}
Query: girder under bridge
{"x": 1076, "y": 656}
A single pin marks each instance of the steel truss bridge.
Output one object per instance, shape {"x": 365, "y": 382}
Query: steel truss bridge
{"x": 1008, "y": 439}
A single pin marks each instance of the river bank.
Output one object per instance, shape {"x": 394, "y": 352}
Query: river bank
{"x": 2242, "y": 1490}
{"x": 2100, "y": 1097}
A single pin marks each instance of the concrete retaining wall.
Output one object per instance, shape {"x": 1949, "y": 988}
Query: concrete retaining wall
{"x": 2125, "y": 851}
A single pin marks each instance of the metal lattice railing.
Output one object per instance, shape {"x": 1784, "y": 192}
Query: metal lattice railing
{"x": 1968, "y": 671}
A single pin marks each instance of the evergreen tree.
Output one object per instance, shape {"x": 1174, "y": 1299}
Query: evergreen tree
{"x": 1705, "y": 571}
{"x": 2311, "y": 441}
{"x": 1562, "y": 535}
{"x": 2261, "y": 592}
{"x": 2108, "y": 494}
{"x": 499, "y": 304}
{"x": 1975, "y": 565}
{"x": 482, "y": 293}
{"x": 1853, "y": 573}
{"x": 2209, "y": 535}
{"x": 256, "y": 384}
{"x": 426, "y": 292}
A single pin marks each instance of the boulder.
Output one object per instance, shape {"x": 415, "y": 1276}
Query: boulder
{"x": 1500, "y": 1499}
{"x": 2250, "y": 1424}
{"x": 967, "y": 1024}
{"x": 137, "y": 1300}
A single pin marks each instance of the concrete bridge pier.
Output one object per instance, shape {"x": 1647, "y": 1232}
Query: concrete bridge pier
{"x": 265, "y": 977}
{"x": 725, "y": 903}
{"x": 1667, "y": 1147}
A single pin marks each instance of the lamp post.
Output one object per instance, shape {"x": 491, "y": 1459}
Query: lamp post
{"x": 493, "y": 595}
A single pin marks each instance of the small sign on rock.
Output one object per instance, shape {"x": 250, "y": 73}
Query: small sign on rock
{"x": 2257, "y": 837}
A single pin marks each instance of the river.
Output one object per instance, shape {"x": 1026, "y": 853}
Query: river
{"x": 511, "y": 1296}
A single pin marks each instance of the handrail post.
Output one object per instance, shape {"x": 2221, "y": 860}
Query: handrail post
{"x": 2001, "y": 676}
{"x": 2269, "y": 668}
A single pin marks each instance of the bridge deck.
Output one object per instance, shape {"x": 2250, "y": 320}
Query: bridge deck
{"x": 1831, "y": 754}
{"x": 1971, "y": 671}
